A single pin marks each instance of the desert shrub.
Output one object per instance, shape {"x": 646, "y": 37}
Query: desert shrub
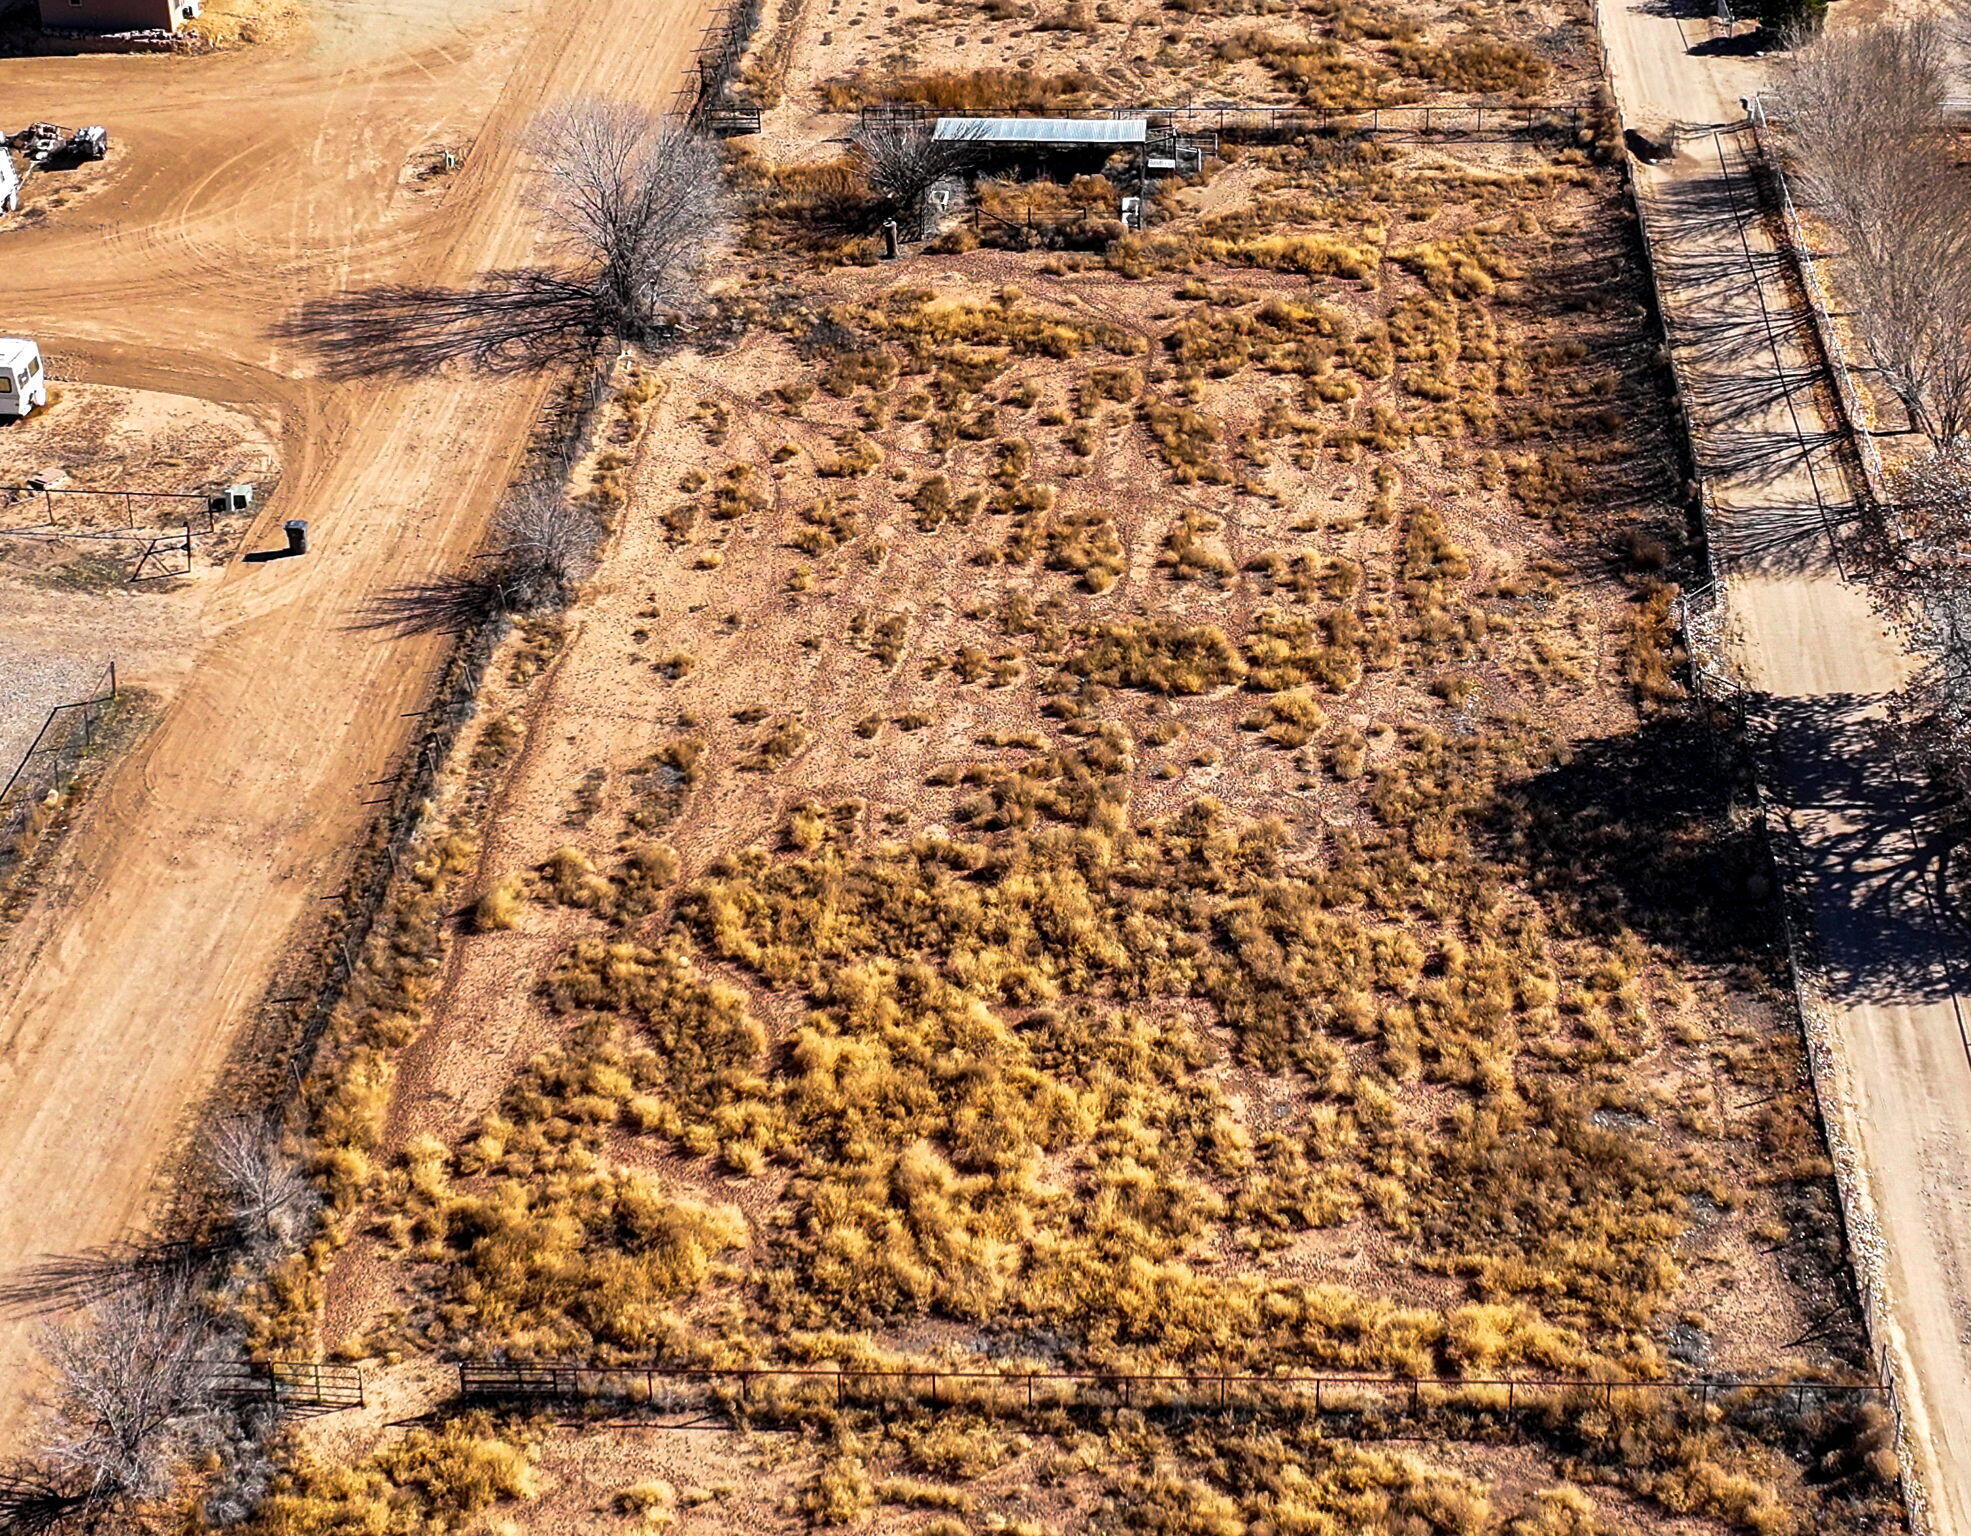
{"x": 433, "y": 1480}
{"x": 1191, "y": 548}
{"x": 1479, "y": 65}
{"x": 576, "y": 1258}
{"x": 998, "y": 90}
{"x": 1084, "y": 213}
{"x": 1288, "y": 719}
{"x": 1158, "y": 656}
{"x": 1320, "y": 69}
{"x": 932, "y": 327}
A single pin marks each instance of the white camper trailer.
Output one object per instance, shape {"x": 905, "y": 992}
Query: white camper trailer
{"x": 10, "y": 181}
{"x": 23, "y": 382}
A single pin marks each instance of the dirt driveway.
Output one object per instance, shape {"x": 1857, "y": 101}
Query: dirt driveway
{"x": 1819, "y": 663}
{"x": 251, "y": 181}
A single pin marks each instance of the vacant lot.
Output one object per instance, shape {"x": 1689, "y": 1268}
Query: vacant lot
{"x": 1123, "y": 805}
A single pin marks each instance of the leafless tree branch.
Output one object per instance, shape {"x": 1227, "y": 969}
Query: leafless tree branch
{"x": 903, "y": 160}
{"x": 1863, "y": 120}
{"x": 636, "y": 203}
{"x": 264, "y": 1193}
{"x": 543, "y": 542}
{"x": 133, "y": 1390}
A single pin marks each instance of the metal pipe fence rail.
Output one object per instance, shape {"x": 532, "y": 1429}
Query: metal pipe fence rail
{"x": 1234, "y": 121}
{"x": 295, "y": 1386}
{"x": 201, "y": 520}
{"x": 676, "y": 1389}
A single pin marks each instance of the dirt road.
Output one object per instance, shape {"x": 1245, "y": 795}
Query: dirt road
{"x": 1819, "y": 663}
{"x": 253, "y": 181}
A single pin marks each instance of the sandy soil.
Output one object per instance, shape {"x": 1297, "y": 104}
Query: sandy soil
{"x": 1824, "y": 663}
{"x": 248, "y": 181}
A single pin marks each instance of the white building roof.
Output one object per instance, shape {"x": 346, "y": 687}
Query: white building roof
{"x": 1064, "y": 131}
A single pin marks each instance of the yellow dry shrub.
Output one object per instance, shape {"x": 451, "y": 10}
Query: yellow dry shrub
{"x": 430, "y": 1482}
{"x": 584, "y": 1261}
{"x": 1004, "y": 90}
{"x": 501, "y": 905}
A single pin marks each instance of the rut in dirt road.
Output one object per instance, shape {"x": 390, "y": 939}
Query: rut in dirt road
{"x": 126, "y": 986}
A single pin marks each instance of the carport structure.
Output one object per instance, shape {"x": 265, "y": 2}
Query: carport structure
{"x": 1056, "y": 147}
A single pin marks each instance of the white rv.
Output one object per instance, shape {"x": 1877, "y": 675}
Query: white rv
{"x": 10, "y": 181}
{"x": 23, "y": 383}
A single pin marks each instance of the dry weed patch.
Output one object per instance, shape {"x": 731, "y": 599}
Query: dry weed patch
{"x": 1178, "y": 818}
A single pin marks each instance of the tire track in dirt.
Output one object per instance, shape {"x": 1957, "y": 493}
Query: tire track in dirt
{"x": 208, "y": 849}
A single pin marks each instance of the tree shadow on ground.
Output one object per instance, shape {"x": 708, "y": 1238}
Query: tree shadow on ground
{"x": 62, "y": 1282}
{"x": 1729, "y": 338}
{"x": 1637, "y": 832}
{"x": 1784, "y": 538}
{"x": 511, "y": 322}
{"x": 1873, "y": 847}
{"x": 1756, "y": 456}
{"x": 1726, "y": 399}
{"x": 1694, "y": 207}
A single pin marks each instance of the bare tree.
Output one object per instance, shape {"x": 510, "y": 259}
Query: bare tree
{"x": 264, "y": 1193}
{"x": 543, "y": 541}
{"x": 903, "y": 160}
{"x": 635, "y": 205}
{"x": 1933, "y": 584}
{"x": 133, "y": 1392}
{"x": 1863, "y": 118}
{"x": 638, "y": 203}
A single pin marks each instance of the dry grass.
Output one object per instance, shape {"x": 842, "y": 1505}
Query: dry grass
{"x": 1151, "y": 879}
{"x": 997, "y": 90}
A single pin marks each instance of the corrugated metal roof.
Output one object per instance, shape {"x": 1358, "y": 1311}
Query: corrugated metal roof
{"x": 1044, "y": 130}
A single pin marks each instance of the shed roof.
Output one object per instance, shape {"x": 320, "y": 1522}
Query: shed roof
{"x": 1063, "y": 131}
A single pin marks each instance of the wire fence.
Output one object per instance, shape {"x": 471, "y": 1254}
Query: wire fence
{"x": 67, "y": 736}
{"x": 1855, "y": 416}
{"x": 792, "y": 1389}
